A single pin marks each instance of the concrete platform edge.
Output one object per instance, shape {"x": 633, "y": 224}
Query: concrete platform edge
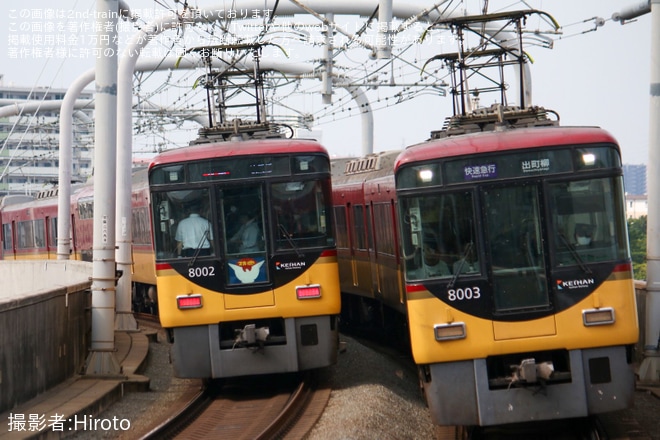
{"x": 74, "y": 404}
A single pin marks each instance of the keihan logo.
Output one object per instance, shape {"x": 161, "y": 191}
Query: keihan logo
{"x": 575, "y": 284}
{"x": 279, "y": 265}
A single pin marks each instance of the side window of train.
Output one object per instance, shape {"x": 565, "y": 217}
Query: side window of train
{"x": 140, "y": 224}
{"x": 7, "y": 237}
{"x": 86, "y": 208}
{"x": 39, "y": 233}
{"x": 385, "y": 232}
{"x": 341, "y": 227}
{"x": 52, "y": 231}
{"x": 25, "y": 234}
{"x": 359, "y": 230}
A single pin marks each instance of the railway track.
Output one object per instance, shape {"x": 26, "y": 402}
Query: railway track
{"x": 254, "y": 408}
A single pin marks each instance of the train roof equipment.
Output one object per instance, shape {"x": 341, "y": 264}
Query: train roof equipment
{"x": 500, "y": 45}
{"x": 228, "y": 87}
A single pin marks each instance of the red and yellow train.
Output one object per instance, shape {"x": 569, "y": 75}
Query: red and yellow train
{"x": 258, "y": 291}
{"x": 232, "y": 309}
{"x": 506, "y": 253}
{"x": 29, "y": 231}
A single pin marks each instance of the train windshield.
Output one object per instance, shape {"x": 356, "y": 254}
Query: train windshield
{"x": 238, "y": 220}
{"x": 584, "y": 217}
{"x": 527, "y": 229}
{"x": 439, "y": 236}
{"x": 181, "y": 226}
{"x": 299, "y": 210}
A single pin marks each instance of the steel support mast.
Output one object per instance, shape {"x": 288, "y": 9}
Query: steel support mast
{"x": 649, "y": 370}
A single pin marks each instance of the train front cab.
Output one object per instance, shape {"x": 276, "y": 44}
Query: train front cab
{"x": 237, "y": 308}
{"x": 528, "y": 320}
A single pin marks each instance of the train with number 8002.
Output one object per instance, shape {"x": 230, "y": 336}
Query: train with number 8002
{"x": 254, "y": 299}
{"x": 257, "y": 290}
{"x": 505, "y": 252}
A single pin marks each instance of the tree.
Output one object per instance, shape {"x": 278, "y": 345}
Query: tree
{"x": 637, "y": 235}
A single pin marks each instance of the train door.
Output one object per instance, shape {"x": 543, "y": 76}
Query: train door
{"x": 351, "y": 274}
{"x": 356, "y": 238}
{"x": 345, "y": 258}
{"x": 52, "y": 236}
{"x": 245, "y": 241}
{"x": 513, "y": 224}
{"x": 39, "y": 241}
{"x": 373, "y": 251}
{"x": 361, "y": 227}
{"x": 14, "y": 239}
{"x": 8, "y": 240}
{"x": 396, "y": 251}
{"x": 47, "y": 238}
{"x": 390, "y": 279}
{"x": 74, "y": 237}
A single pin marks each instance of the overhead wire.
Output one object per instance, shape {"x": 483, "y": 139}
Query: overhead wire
{"x": 374, "y": 75}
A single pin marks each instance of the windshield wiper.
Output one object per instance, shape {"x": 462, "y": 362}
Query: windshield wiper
{"x": 468, "y": 248}
{"x": 198, "y": 249}
{"x": 287, "y": 236}
{"x": 574, "y": 253}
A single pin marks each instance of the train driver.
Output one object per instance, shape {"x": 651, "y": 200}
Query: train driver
{"x": 583, "y": 234}
{"x": 193, "y": 235}
{"x": 248, "y": 235}
{"x": 432, "y": 264}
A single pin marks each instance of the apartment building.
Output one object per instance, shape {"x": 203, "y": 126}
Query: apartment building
{"x": 29, "y": 151}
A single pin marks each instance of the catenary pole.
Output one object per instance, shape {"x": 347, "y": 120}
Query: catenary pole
{"x": 101, "y": 359}
{"x": 66, "y": 164}
{"x": 649, "y": 370}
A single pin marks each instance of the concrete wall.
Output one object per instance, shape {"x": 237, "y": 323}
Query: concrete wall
{"x": 45, "y": 326}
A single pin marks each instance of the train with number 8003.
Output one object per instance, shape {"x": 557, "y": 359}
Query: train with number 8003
{"x": 505, "y": 251}
{"x": 256, "y": 291}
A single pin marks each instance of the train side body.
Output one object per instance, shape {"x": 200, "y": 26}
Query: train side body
{"x": 29, "y": 231}
{"x": 28, "y": 228}
{"x": 364, "y": 205}
{"x": 144, "y": 267}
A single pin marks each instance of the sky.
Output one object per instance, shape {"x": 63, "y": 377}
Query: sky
{"x": 592, "y": 75}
